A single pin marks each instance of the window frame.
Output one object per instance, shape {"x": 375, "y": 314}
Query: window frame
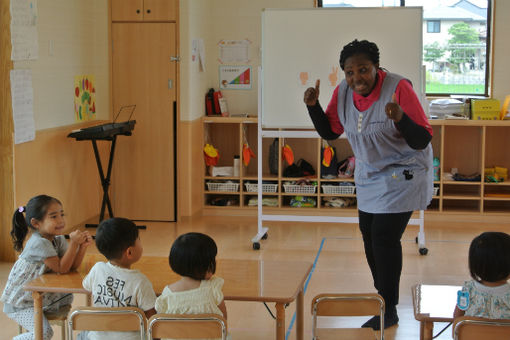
{"x": 488, "y": 53}
{"x": 436, "y": 26}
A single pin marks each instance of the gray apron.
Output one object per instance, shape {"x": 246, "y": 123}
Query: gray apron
{"x": 390, "y": 176}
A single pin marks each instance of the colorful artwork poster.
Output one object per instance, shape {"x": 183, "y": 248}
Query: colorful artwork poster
{"x": 235, "y": 77}
{"x": 84, "y": 98}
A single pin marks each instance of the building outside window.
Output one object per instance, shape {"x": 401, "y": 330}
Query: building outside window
{"x": 433, "y": 26}
{"x": 456, "y": 38}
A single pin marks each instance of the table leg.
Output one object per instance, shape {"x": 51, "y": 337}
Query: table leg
{"x": 38, "y": 315}
{"x": 426, "y": 330}
{"x": 280, "y": 321}
{"x": 299, "y": 315}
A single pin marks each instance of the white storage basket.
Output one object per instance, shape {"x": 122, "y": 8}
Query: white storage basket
{"x": 299, "y": 189}
{"x": 230, "y": 187}
{"x": 266, "y": 187}
{"x": 338, "y": 189}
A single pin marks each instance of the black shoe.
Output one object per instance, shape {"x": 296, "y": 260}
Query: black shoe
{"x": 375, "y": 324}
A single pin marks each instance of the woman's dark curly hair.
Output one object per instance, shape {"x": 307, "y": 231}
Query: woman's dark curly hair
{"x": 364, "y": 47}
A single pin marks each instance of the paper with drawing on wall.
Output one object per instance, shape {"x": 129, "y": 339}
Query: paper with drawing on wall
{"x": 198, "y": 52}
{"x": 22, "y": 95}
{"x": 234, "y": 51}
{"x": 24, "y": 30}
{"x": 84, "y": 98}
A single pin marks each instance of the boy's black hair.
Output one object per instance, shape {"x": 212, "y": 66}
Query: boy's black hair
{"x": 364, "y": 47}
{"x": 489, "y": 257}
{"x": 36, "y": 208}
{"x": 114, "y": 236}
{"x": 193, "y": 255}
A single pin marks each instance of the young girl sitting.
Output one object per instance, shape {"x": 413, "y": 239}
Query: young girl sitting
{"x": 193, "y": 256}
{"x": 488, "y": 294}
{"x": 46, "y": 250}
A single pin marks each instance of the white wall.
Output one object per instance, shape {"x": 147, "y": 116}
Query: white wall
{"x": 240, "y": 19}
{"x": 195, "y": 23}
{"x": 216, "y": 20}
{"x": 78, "y": 31}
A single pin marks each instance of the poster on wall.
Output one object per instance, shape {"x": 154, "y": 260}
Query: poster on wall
{"x": 24, "y": 30}
{"x": 84, "y": 98}
{"x": 235, "y": 77}
{"x": 22, "y": 94}
{"x": 234, "y": 51}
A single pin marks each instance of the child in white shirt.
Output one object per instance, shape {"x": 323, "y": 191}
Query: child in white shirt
{"x": 114, "y": 283}
{"x": 193, "y": 256}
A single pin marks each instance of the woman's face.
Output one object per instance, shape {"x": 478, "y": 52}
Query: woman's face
{"x": 360, "y": 74}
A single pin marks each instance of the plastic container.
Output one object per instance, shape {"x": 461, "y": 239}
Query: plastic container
{"x": 237, "y": 165}
{"x": 436, "y": 165}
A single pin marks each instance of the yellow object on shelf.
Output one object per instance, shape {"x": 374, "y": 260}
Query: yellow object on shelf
{"x": 489, "y": 172}
{"x": 485, "y": 109}
{"x": 501, "y": 172}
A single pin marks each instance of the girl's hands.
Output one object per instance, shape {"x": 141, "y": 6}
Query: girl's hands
{"x": 312, "y": 94}
{"x": 88, "y": 240}
{"x": 393, "y": 110}
{"x": 81, "y": 238}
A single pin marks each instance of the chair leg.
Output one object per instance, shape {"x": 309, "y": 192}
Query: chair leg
{"x": 63, "y": 330}
{"x": 20, "y": 329}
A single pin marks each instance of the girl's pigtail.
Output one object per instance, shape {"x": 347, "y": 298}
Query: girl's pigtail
{"x": 19, "y": 229}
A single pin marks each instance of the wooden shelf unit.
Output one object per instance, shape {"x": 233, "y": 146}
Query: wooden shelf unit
{"x": 469, "y": 146}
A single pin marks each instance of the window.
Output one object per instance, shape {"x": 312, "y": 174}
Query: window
{"x": 433, "y": 26}
{"x": 456, "y": 42}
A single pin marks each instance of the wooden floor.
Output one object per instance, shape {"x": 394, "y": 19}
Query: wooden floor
{"x": 340, "y": 264}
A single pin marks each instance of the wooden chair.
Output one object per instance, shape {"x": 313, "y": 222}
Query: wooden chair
{"x": 121, "y": 319}
{"x": 347, "y": 305}
{"x": 190, "y": 326}
{"x": 471, "y": 328}
{"x": 58, "y": 318}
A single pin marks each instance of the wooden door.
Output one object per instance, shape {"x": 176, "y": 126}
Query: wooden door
{"x": 159, "y": 10}
{"x": 143, "y": 176}
{"x": 127, "y": 10}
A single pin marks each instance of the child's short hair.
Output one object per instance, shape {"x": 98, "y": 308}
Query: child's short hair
{"x": 489, "y": 257}
{"x": 193, "y": 255}
{"x": 114, "y": 236}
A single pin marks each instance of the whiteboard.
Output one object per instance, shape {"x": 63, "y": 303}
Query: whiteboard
{"x": 297, "y": 42}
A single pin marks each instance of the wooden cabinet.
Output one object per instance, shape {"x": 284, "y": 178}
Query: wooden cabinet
{"x": 468, "y": 146}
{"x": 144, "y": 10}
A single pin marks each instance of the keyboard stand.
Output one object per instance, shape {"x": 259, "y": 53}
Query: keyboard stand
{"x": 105, "y": 181}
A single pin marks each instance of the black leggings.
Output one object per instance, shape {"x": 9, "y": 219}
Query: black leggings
{"x": 381, "y": 237}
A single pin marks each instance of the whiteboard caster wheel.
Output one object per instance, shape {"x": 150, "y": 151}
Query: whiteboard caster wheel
{"x": 265, "y": 236}
{"x": 423, "y": 251}
{"x": 256, "y": 246}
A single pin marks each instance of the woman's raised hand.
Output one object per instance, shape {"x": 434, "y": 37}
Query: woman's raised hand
{"x": 393, "y": 110}
{"x": 312, "y": 94}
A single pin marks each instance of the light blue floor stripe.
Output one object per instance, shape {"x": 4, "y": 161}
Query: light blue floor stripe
{"x": 305, "y": 287}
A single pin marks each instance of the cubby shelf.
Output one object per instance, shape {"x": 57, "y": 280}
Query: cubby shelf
{"x": 468, "y": 146}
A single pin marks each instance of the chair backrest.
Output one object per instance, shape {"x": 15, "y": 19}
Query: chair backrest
{"x": 347, "y": 305}
{"x": 471, "y": 328}
{"x": 119, "y": 319}
{"x": 189, "y": 326}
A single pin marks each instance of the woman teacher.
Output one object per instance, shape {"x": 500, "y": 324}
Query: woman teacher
{"x": 390, "y": 137}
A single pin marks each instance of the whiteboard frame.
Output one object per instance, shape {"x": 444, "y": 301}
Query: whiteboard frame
{"x": 261, "y": 217}
{"x": 288, "y": 49}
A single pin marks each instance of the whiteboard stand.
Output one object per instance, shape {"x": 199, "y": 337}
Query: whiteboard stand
{"x": 262, "y": 232}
